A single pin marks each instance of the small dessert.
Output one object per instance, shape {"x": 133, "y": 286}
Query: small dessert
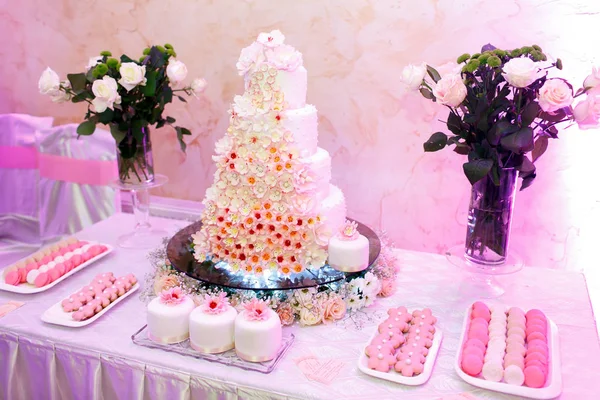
{"x": 258, "y": 332}
{"x": 212, "y": 325}
{"x": 349, "y": 250}
{"x": 168, "y": 316}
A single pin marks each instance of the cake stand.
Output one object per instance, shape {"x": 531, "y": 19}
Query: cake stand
{"x": 481, "y": 281}
{"x": 143, "y": 235}
{"x": 181, "y": 258}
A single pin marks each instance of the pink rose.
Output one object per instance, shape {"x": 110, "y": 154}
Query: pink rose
{"x": 587, "y": 112}
{"x": 286, "y": 314}
{"x": 450, "y": 90}
{"x": 334, "y": 309}
{"x": 388, "y": 287}
{"x": 165, "y": 282}
{"x": 554, "y": 95}
{"x": 593, "y": 79}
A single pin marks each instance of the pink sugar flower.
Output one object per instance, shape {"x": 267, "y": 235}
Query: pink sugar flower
{"x": 172, "y": 296}
{"x": 215, "y": 304}
{"x": 256, "y": 310}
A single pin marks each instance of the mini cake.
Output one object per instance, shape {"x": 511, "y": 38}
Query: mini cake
{"x": 349, "y": 250}
{"x": 257, "y": 332}
{"x": 168, "y": 316}
{"x": 212, "y": 325}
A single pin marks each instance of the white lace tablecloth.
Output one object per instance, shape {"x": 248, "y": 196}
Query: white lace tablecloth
{"x": 41, "y": 361}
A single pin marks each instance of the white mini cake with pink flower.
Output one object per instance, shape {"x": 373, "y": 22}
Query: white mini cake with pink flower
{"x": 271, "y": 206}
{"x": 212, "y": 325}
{"x": 168, "y": 316}
{"x": 349, "y": 250}
{"x": 258, "y": 332}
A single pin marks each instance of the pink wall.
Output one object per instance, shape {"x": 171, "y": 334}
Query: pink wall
{"x": 373, "y": 129}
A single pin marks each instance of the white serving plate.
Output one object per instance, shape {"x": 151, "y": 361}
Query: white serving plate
{"x": 57, "y": 316}
{"x": 26, "y": 288}
{"x": 553, "y": 386}
{"x": 397, "y": 377}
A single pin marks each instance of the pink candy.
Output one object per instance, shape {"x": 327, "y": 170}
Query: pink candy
{"x": 13, "y": 278}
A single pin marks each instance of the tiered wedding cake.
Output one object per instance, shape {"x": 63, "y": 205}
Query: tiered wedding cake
{"x": 271, "y": 206}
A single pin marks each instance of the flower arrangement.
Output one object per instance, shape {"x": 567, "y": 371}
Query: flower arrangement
{"x": 312, "y": 306}
{"x": 503, "y": 106}
{"x": 127, "y": 95}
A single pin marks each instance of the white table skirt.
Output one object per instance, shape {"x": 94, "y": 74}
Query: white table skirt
{"x": 42, "y": 361}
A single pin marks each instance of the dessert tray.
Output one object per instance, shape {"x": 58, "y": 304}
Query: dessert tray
{"x": 227, "y": 358}
{"x": 181, "y": 258}
{"x": 27, "y": 288}
{"x": 394, "y": 376}
{"x": 55, "y": 314}
{"x": 553, "y": 384}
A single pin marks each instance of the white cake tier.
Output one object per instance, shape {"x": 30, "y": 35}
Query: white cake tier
{"x": 302, "y": 123}
{"x": 293, "y": 85}
{"x": 320, "y": 164}
{"x": 257, "y": 341}
{"x": 349, "y": 255}
{"x": 169, "y": 323}
{"x": 333, "y": 209}
{"x": 212, "y": 333}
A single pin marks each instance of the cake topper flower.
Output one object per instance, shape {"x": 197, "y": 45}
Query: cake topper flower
{"x": 271, "y": 39}
{"x": 349, "y": 231}
{"x": 256, "y": 310}
{"x": 215, "y": 304}
{"x": 172, "y": 296}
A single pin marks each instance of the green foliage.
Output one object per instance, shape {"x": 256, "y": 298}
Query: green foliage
{"x": 112, "y": 63}
{"x": 100, "y": 70}
{"x": 146, "y": 51}
{"x": 86, "y": 128}
{"x": 161, "y": 49}
{"x": 168, "y": 46}
{"x": 462, "y": 58}
{"x": 476, "y": 170}
{"x": 515, "y": 53}
{"x": 77, "y": 81}
{"x": 476, "y": 55}
{"x": 536, "y": 47}
{"x": 499, "y": 52}
{"x": 559, "y": 63}
{"x": 436, "y": 142}
{"x": 432, "y": 72}
{"x": 494, "y": 61}
{"x": 472, "y": 65}
{"x": 105, "y": 53}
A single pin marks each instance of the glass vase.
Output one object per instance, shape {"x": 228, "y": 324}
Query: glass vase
{"x": 489, "y": 219}
{"x": 134, "y": 157}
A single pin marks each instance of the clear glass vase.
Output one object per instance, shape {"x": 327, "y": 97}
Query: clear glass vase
{"x": 136, "y": 165}
{"x": 489, "y": 219}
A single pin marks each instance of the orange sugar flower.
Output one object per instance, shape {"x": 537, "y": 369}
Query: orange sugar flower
{"x": 293, "y": 233}
{"x": 298, "y": 268}
{"x": 273, "y": 150}
{"x": 285, "y": 270}
{"x": 251, "y": 180}
{"x": 258, "y": 269}
{"x": 277, "y": 159}
{"x": 249, "y": 220}
{"x": 290, "y": 219}
{"x": 233, "y": 256}
{"x": 255, "y": 259}
{"x": 288, "y": 165}
{"x": 285, "y": 228}
{"x": 248, "y": 268}
{"x": 266, "y": 256}
{"x": 268, "y": 215}
{"x": 279, "y": 168}
{"x": 267, "y": 205}
{"x": 278, "y": 218}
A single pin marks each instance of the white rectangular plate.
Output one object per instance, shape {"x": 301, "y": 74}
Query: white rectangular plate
{"x": 57, "y": 316}
{"x": 394, "y": 376}
{"x": 26, "y": 288}
{"x": 554, "y": 381}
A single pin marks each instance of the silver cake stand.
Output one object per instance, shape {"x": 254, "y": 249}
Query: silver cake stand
{"x": 181, "y": 258}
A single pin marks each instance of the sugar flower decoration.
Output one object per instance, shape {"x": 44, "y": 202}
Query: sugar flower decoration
{"x": 271, "y": 39}
{"x": 172, "y": 297}
{"x": 256, "y": 310}
{"x": 349, "y": 231}
{"x": 215, "y": 304}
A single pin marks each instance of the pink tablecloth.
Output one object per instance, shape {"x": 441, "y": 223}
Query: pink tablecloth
{"x": 40, "y": 361}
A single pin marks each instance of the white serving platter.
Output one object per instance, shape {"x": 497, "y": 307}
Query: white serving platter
{"x": 397, "y": 377}
{"x": 553, "y": 386}
{"x": 26, "y": 288}
{"x": 57, "y": 316}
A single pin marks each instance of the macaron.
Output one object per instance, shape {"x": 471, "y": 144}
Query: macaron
{"x": 536, "y": 356}
{"x": 23, "y": 274}
{"x": 473, "y": 350}
{"x": 32, "y": 275}
{"x": 536, "y": 335}
{"x": 534, "y": 377}
{"x": 87, "y": 256}
{"x": 538, "y": 364}
{"x": 55, "y": 254}
{"x": 536, "y": 328}
{"x": 45, "y": 260}
{"x": 534, "y": 312}
{"x": 12, "y": 278}
{"x": 516, "y": 323}
{"x": 492, "y": 371}
{"x": 60, "y": 268}
{"x": 514, "y": 359}
{"x": 31, "y": 265}
{"x": 76, "y": 260}
{"x": 515, "y": 339}
{"x": 474, "y": 321}
{"x": 513, "y": 375}
{"x": 471, "y": 364}
{"x": 516, "y": 330}
{"x": 516, "y": 348}
{"x": 537, "y": 349}
{"x": 481, "y": 313}
{"x": 54, "y": 274}
{"x": 41, "y": 280}
{"x": 476, "y": 343}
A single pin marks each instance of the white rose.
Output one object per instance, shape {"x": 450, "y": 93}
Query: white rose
{"x": 93, "y": 61}
{"x": 132, "y": 75}
{"x": 62, "y": 96}
{"x": 413, "y": 75}
{"x": 105, "y": 90}
{"x": 176, "y": 71}
{"x": 198, "y": 86}
{"x": 593, "y": 79}
{"x": 450, "y": 90}
{"x": 521, "y": 72}
{"x": 310, "y": 317}
{"x": 272, "y": 39}
{"x": 49, "y": 82}
{"x": 554, "y": 95}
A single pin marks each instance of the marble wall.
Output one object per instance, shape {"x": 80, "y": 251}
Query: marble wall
{"x": 354, "y": 51}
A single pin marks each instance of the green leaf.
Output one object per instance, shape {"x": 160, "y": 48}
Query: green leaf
{"x": 150, "y": 88}
{"x": 436, "y": 142}
{"x": 182, "y": 99}
{"x": 118, "y": 134}
{"x": 78, "y": 98}
{"x": 556, "y": 116}
{"x": 498, "y": 130}
{"x": 136, "y": 130}
{"x": 167, "y": 95}
{"x": 160, "y": 124}
{"x": 454, "y": 123}
{"x": 477, "y": 169}
{"x": 526, "y": 168}
{"x": 462, "y": 149}
{"x": 432, "y": 72}
{"x": 125, "y": 59}
{"x": 530, "y": 112}
{"x": 86, "y": 128}
{"x": 519, "y": 142}
{"x": 106, "y": 116}
{"x": 78, "y": 82}
{"x": 185, "y": 131}
{"x": 170, "y": 120}
{"x": 427, "y": 93}
{"x": 539, "y": 147}
{"x": 180, "y": 134}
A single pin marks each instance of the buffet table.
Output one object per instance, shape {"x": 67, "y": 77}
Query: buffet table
{"x": 100, "y": 361}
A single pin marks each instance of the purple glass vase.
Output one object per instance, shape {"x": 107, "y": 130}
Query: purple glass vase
{"x": 489, "y": 218}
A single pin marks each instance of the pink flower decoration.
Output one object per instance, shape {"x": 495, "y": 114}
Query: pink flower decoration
{"x": 215, "y": 304}
{"x": 256, "y": 310}
{"x": 172, "y": 296}
{"x": 349, "y": 231}
{"x": 304, "y": 181}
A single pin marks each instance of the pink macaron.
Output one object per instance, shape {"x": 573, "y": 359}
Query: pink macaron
{"x": 536, "y": 335}
{"x": 54, "y": 274}
{"x": 31, "y": 266}
{"x": 12, "y": 278}
{"x": 42, "y": 279}
{"x": 471, "y": 364}
{"x": 23, "y": 275}
{"x": 534, "y": 377}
